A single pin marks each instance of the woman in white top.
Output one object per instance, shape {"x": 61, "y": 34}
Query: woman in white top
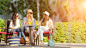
{"x": 45, "y": 25}
{"x": 15, "y": 25}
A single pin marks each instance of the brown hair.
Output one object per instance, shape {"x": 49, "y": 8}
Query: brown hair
{"x": 45, "y": 20}
{"x": 14, "y": 18}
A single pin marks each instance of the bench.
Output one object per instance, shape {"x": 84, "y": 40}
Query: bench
{"x": 7, "y": 32}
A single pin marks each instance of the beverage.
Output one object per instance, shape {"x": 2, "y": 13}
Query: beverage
{"x": 30, "y": 23}
{"x": 36, "y": 23}
{"x": 25, "y": 23}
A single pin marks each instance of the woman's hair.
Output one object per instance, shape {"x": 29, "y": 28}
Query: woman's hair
{"x": 30, "y": 18}
{"x": 14, "y": 18}
{"x": 45, "y": 20}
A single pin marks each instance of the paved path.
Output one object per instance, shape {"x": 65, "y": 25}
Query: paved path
{"x": 57, "y": 45}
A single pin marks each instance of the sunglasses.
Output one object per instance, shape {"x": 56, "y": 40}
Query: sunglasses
{"x": 31, "y": 13}
{"x": 44, "y": 14}
{"x": 17, "y": 16}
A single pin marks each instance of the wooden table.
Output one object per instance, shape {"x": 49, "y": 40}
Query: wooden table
{"x": 29, "y": 32}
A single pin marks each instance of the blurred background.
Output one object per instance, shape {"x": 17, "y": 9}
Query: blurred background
{"x": 60, "y": 10}
{"x": 69, "y": 16}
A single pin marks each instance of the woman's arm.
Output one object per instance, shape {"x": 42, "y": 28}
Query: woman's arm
{"x": 51, "y": 24}
{"x": 23, "y": 23}
{"x": 40, "y": 22}
{"x": 51, "y": 27}
{"x": 10, "y": 26}
{"x": 17, "y": 25}
{"x": 33, "y": 24}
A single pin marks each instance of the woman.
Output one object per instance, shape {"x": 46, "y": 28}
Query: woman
{"x": 29, "y": 20}
{"x": 15, "y": 26}
{"x": 46, "y": 24}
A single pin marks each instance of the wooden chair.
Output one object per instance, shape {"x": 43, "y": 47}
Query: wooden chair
{"x": 7, "y": 32}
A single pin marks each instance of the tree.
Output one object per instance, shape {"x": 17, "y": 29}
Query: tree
{"x": 24, "y": 5}
{"x": 4, "y": 5}
{"x": 20, "y": 6}
{"x": 60, "y": 10}
{"x": 44, "y": 6}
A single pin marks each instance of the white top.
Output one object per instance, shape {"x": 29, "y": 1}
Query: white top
{"x": 47, "y": 24}
{"x": 17, "y": 24}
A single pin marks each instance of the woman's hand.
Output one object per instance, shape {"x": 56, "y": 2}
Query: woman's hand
{"x": 50, "y": 28}
{"x": 32, "y": 29}
{"x": 14, "y": 28}
{"x": 51, "y": 33}
{"x": 18, "y": 27}
{"x": 11, "y": 28}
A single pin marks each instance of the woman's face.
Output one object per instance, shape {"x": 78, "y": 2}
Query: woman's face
{"x": 30, "y": 14}
{"x": 17, "y": 16}
{"x": 44, "y": 15}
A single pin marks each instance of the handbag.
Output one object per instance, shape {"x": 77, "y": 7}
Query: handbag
{"x": 51, "y": 41}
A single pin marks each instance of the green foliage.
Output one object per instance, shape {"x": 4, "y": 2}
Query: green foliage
{"x": 3, "y": 36}
{"x": 44, "y": 6}
{"x": 21, "y": 22}
{"x": 9, "y": 19}
{"x": 4, "y": 5}
{"x": 45, "y": 39}
{"x": 70, "y": 32}
{"x": 2, "y": 24}
{"x": 32, "y": 4}
{"x": 62, "y": 9}
{"x": 21, "y": 7}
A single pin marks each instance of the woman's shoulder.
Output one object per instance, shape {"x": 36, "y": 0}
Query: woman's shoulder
{"x": 50, "y": 19}
{"x": 17, "y": 19}
{"x": 10, "y": 20}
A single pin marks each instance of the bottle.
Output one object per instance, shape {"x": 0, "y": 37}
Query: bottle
{"x": 36, "y": 22}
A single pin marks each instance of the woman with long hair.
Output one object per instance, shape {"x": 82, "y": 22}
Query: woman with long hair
{"x": 28, "y": 20}
{"x": 46, "y": 24}
{"x": 15, "y": 25}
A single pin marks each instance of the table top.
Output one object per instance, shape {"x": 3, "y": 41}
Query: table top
{"x": 30, "y": 25}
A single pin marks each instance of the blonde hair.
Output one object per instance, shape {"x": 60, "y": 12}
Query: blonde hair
{"x": 30, "y": 18}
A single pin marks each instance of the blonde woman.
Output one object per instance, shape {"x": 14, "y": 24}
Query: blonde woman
{"x": 46, "y": 24}
{"x": 29, "y": 20}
